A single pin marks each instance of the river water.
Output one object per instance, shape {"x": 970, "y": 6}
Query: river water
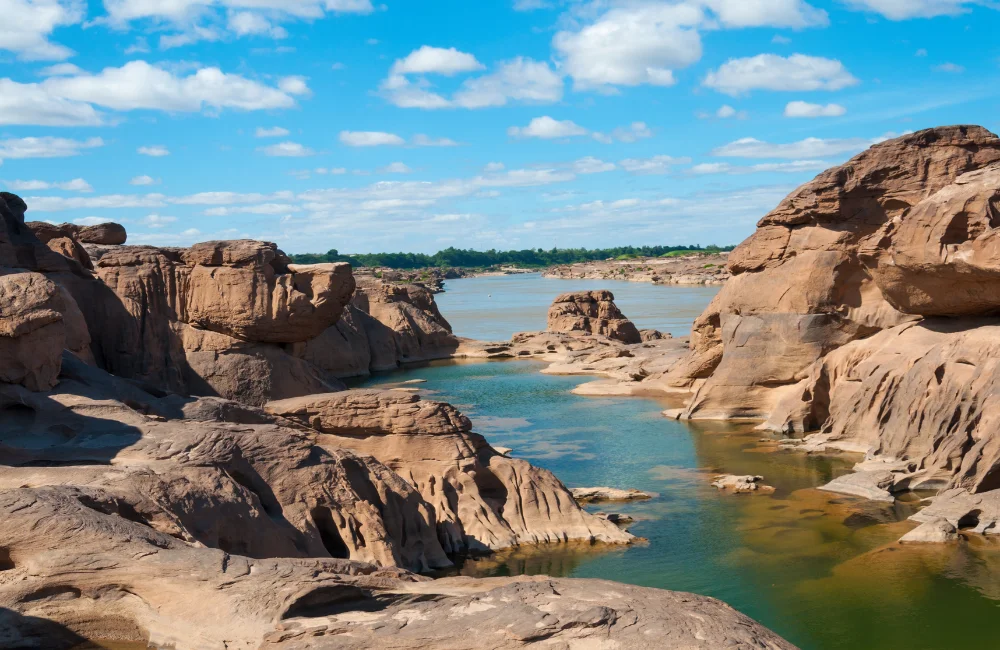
{"x": 823, "y": 570}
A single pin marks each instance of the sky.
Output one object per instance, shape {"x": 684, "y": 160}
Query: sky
{"x": 417, "y": 125}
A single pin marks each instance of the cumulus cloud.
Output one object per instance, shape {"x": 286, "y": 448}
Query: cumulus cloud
{"x": 809, "y": 148}
{"x": 75, "y": 185}
{"x": 518, "y": 80}
{"x": 139, "y": 85}
{"x": 370, "y": 139}
{"x": 547, "y": 128}
{"x": 773, "y": 72}
{"x": 436, "y": 60}
{"x": 154, "y": 151}
{"x": 158, "y": 221}
{"x": 591, "y": 165}
{"x": 631, "y": 133}
{"x": 143, "y": 180}
{"x": 644, "y": 43}
{"x": 651, "y": 166}
{"x": 805, "y": 109}
{"x": 34, "y": 104}
{"x": 25, "y": 27}
{"x": 46, "y": 147}
{"x": 287, "y": 150}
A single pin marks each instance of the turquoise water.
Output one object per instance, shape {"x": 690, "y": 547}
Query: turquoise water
{"x": 821, "y": 569}
{"x": 494, "y": 308}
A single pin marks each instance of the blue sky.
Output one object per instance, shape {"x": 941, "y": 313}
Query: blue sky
{"x": 415, "y": 126}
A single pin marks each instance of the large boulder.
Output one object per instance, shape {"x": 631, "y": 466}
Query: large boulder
{"x": 803, "y": 283}
{"x": 108, "y": 234}
{"x": 591, "y": 312}
{"x": 481, "y": 499}
{"x": 32, "y": 331}
{"x": 61, "y": 239}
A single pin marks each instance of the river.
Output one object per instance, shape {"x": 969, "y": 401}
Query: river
{"x": 822, "y": 570}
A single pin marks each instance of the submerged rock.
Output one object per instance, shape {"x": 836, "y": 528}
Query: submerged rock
{"x": 600, "y": 494}
{"x": 936, "y": 531}
{"x": 742, "y": 484}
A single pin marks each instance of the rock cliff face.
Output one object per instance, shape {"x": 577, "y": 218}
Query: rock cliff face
{"x": 865, "y": 308}
{"x": 591, "y": 312}
{"x": 810, "y": 279}
{"x": 135, "y": 513}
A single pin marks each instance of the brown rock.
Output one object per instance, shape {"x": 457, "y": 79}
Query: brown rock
{"x": 32, "y": 332}
{"x": 62, "y": 240}
{"x": 802, "y": 285}
{"x": 482, "y": 500}
{"x": 591, "y": 312}
{"x": 109, "y": 234}
{"x": 604, "y": 494}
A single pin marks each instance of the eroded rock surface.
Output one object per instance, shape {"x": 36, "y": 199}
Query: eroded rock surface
{"x": 604, "y": 494}
{"x": 591, "y": 312}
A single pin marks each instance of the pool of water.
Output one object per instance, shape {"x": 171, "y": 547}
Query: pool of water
{"x": 493, "y": 308}
{"x": 821, "y": 569}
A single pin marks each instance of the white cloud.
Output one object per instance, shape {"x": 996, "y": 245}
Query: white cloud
{"x": 33, "y": 104}
{"x": 108, "y": 202}
{"x": 154, "y": 151}
{"x": 773, "y": 72}
{"x": 794, "y": 167}
{"x": 60, "y": 70}
{"x": 633, "y": 132}
{"x": 25, "y": 27}
{"x": 158, "y": 221}
{"x": 547, "y": 128}
{"x": 654, "y": 165}
{"x": 336, "y": 171}
{"x": 75, "y": 185}
{"x": 805, "y": 109}
{"x": 632, "y": 45}
{"x": 294, "y": 85}
{"x": 904, "y": 9}
{"x": 90, "y": 221}
{"x": 810, "y": 148}
{"x": 212, "y": 20}
{"x": 46, "y": 147}
{"x": 531, "y": 5}
{"x": 139, "y": 85}
{"x": 247, "y": 23}
{"x": 768, "y": 13}
{"x": 370, "y": 139}
{"x": 395, "y": 168}
{"x": 143, "y": 180}
{"x": 953, "y": 68}
{"x": 273, "y": 132}
{"x": 287, "y": 150}
{"x": 421, "y": 140}
{"x": 494, "y": 167}
{"x": 591, "y": 165}
{"x": 781, "y": 40}
{"x": 436, "y": 60}
{"x": 520, "y": 79}
{"x": 260, "y": 208}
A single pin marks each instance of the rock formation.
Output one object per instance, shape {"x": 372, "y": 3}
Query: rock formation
{"x": 807, "y": 281}
{"x": 693, "y": 269}
{"x": 591, "y": 312}
{"x": 864, "y": 308}
{"x": 134, "y": 512}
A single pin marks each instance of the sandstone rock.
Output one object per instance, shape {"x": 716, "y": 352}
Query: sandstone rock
{"x": 602, "y": 494}
{"x": 742, "y": 484}
{"x": 108, "y": 234}
{"x": 693, "y": 269}
{"x": 61, "y": 239}
{"x": 653, "y": 335}
{"x": 932, "y": 532}
{"x": 481, "y": 499}
{"x": 977, "y": 513}
{"x": 591, "y": 312}
{"x": 802, "y": 284}
{"x": 873, "y": 485}
{"x": 32, "y": 330}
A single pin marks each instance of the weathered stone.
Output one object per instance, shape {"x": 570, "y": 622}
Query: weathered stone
{"x": 742, "y": 484}
{"x": 932, "y": 532}
{"x": 32, "y": 331}
{"x": 591, "y": 312}
{"x": 602, "y": 494}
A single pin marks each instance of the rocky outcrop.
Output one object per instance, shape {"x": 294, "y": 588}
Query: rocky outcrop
{"x": 386, "y": 325}
{"x": 863, "y": 309}
{"x": 480, "y": 499}
{"x": 591, "y": 312}
{"x": 693, "y": 269}
{"x": 807, "y": 281}
{"x": 32, "y": 331}
{"x": 605, "y": 494}
{"x": 742, "y": 484}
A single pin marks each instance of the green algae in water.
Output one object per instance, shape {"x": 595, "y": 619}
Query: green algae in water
{"x": 821, "y": 569}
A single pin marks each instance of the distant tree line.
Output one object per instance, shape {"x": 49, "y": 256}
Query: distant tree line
{"x": 531, "y": 258}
